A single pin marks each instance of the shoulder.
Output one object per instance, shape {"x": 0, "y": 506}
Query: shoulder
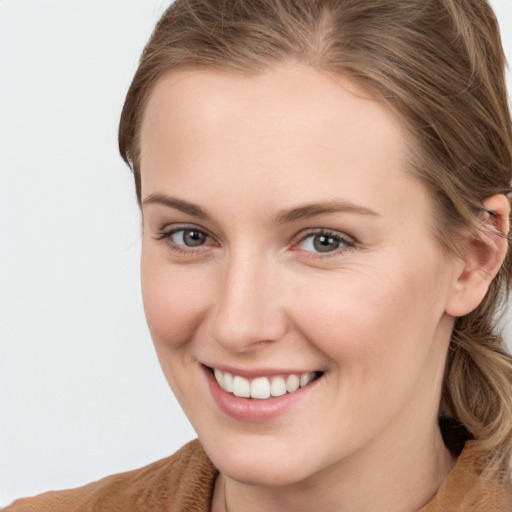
{"x": 183, "y": 481}
{"x": 467, "y": 490}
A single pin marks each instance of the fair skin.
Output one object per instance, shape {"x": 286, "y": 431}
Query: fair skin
{"x": 238, "y": 276}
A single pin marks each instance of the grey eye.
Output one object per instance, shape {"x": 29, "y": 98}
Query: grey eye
{"x": 324, "y": 242}
{"x": 189, "y": 237}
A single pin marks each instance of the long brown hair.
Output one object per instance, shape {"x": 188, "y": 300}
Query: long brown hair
{"x": 440, "y": 65}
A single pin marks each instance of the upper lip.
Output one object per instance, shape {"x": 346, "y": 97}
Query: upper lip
{"x": 251, "y": 373}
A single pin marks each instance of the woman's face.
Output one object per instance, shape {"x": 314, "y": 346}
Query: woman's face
{"x": 284, "y": 240}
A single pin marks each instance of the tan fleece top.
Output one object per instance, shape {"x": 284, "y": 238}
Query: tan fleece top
{"x": 184, "y": 482}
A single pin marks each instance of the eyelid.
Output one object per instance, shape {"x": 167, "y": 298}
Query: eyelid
{"x": 173, "y": 228}
{"x": 166, "y": 234}
{"x": 348, "y": 242}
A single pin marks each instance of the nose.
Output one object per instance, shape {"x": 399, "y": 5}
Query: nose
{"x": 249, "y": 312}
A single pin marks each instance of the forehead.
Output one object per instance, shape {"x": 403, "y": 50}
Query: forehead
{"x": 291, "y": 125}
{"x": 293, "y": 92}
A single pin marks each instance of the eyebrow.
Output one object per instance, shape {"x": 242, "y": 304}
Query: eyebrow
{"x": 177, "y": 204}
{"x": 312, "y": 210}
{"x": 282, "y": 217}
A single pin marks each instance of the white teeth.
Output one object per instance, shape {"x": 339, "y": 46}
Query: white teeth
{"x": 306, "y": 378}
{"x": 292, "y": 383}
{"x": 278, "y": 387}
{"x": 219, "y": 376}
{"x": 228, "y": 382}
{"x": 262, "y": 388}
{"x": 241, "y": 387}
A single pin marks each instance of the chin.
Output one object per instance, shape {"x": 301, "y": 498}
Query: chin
{"x": 262, "y": 460}
{"x": 270, "y": 473}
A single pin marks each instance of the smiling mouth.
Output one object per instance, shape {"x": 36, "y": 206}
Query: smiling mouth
{"x": 263, "y": 388}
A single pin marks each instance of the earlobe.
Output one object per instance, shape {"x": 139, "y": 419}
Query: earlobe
{"x": 484, "y": 256}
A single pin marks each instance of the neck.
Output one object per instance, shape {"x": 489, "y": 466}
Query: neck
{"x": 385, "y": 478}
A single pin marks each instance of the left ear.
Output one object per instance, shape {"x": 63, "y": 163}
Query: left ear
{"x": 483, "y": 258}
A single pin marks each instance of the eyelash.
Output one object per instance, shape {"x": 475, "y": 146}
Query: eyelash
{"x": 166, "y": 236}
{"x": 346, "y": 242}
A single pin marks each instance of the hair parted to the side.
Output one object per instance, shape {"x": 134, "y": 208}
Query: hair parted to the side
{"x": 440, "y": 65}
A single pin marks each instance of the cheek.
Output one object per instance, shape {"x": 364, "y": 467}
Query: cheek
{"x": 174, "y": 300}
{"x": 174, "y": 307}
{"x": 375, "y": 320}
{"x": 378, "y": 334}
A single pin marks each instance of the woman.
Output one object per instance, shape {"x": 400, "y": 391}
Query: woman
{"x": 325, "y": 196}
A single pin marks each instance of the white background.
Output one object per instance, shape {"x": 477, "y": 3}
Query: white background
{"x": 81, "y": 391}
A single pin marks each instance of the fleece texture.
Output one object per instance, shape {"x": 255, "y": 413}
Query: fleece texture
{"x": 184, "y": 482}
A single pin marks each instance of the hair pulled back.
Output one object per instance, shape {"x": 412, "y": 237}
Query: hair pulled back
{"x": 440, "y": 65}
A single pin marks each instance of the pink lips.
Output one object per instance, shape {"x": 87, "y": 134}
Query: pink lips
{"x": 253, "y": 410}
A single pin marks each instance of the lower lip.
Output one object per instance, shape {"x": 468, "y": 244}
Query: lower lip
{"x": 252, "y": 410}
